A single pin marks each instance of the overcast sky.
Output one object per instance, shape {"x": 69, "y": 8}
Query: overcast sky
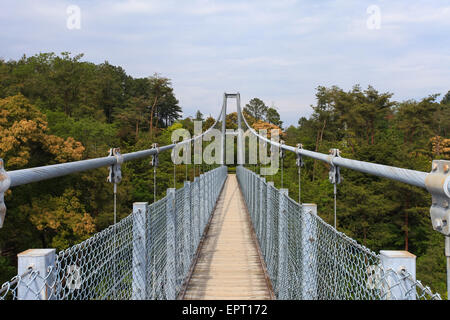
{"x": 278, "y": 50}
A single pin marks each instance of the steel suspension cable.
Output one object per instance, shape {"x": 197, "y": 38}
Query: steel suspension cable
{"x": 412, "y": 177}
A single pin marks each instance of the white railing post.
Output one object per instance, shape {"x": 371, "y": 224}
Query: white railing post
{"x": 170, "y": 285}
{"x": 255, "y": 222}
{"x": 210, "y": 196}
{"x": 202, "y": 202}
{"x": 140, "y": 251}
{"x": 270, "y": 187}
{"x": 196, "y": 211}
{"x": 308, "y": 251}
{"x": 247, "y": 183}
{"x": 207, "y": 196}
{"x": 282, "y": 282}
{"x": 252, "y": 193}
{"x": 394, "y": 261}
{"x": 41, "y": 284}
{"x": 262, "y": 204}
{"x": 187, "y": 230}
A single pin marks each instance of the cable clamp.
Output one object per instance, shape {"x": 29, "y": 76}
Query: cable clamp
{"x": 115, "y": 171}
{"x": 155, "y": 157}
{"x": 299, "y": 160}
{"x": 335, "y": 173}
{"x": 437, "y": 183}
{"x": 282, "y": 151}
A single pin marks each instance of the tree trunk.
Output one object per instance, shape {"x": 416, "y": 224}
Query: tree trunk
{"x": 151, "y": 115}
{"x": 319, "y": 142}
{"x": 317, "y": 147}
{"x": 321, "y": 133}
{"x": 373, "y": 133}
{"x": 137, "y": 129}
{"x": 351, "y": 145}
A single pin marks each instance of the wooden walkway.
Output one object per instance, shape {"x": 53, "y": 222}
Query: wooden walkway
{"x": 229, "y": 265}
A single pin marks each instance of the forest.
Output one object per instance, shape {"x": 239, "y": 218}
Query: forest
{"x": 58, "y": 108}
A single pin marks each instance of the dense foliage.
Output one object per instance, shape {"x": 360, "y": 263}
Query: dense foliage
{"x": 59, "y": 108}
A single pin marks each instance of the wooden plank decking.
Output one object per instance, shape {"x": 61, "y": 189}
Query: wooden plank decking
{"x": 229, "y": 265}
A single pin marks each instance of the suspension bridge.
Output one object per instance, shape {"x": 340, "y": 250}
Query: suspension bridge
{"x": 224, "y": 236}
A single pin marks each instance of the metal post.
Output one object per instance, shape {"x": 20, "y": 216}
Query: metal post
{"x": 224, "y": 115}
{"x": 253, "y": 193}
{"x": 262, "y": 205}
{"x": 204, "y": 203}
{"x": 240, "y": 142}
{"x": 249, "y": 186}
{"x": 201, "y": 182}
{"x": 283, "y": 279}
{"x": 246, "y": 183}
{"x": 206, "y": 192}
{"x": 170, "y": 285}
{"x": 308, "y": 251}
{"x": 300, "y": 164}
{"x": 256, "y": 223}
{"x": 270, "y": 186}
{"x": 250, "y": 191}
{"x": 256, "y": 201}
{"x": 207, "y": 195}
{"x": 209, "y": 191}
{"x": 141, "y": 253}
{"x": 394, "y": 261}
{"x": 196, "y": 211}
{"x": 187, "y": 226}
{"x": 40, "y": 284}
{"x": 255, "y": 197}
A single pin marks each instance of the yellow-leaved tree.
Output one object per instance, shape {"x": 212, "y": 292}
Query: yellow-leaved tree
{"x": 262, "y": 125}
{"x": 24, "y": 134}
{"x": 59, "y": 217}
{"x": 65, "y": 216}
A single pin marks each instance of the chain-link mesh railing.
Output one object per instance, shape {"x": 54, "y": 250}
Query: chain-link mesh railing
{"x": 399, "y": 285}
{"x": 146, "y": 255}
{"x": 306, "y": 258}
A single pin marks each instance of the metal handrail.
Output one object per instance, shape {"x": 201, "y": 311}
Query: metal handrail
{"x": 25, "y": 176}
{"x": 412, "y": 177}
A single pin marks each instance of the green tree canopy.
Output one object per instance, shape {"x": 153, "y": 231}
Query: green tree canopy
{"x": 256, "y": 108}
